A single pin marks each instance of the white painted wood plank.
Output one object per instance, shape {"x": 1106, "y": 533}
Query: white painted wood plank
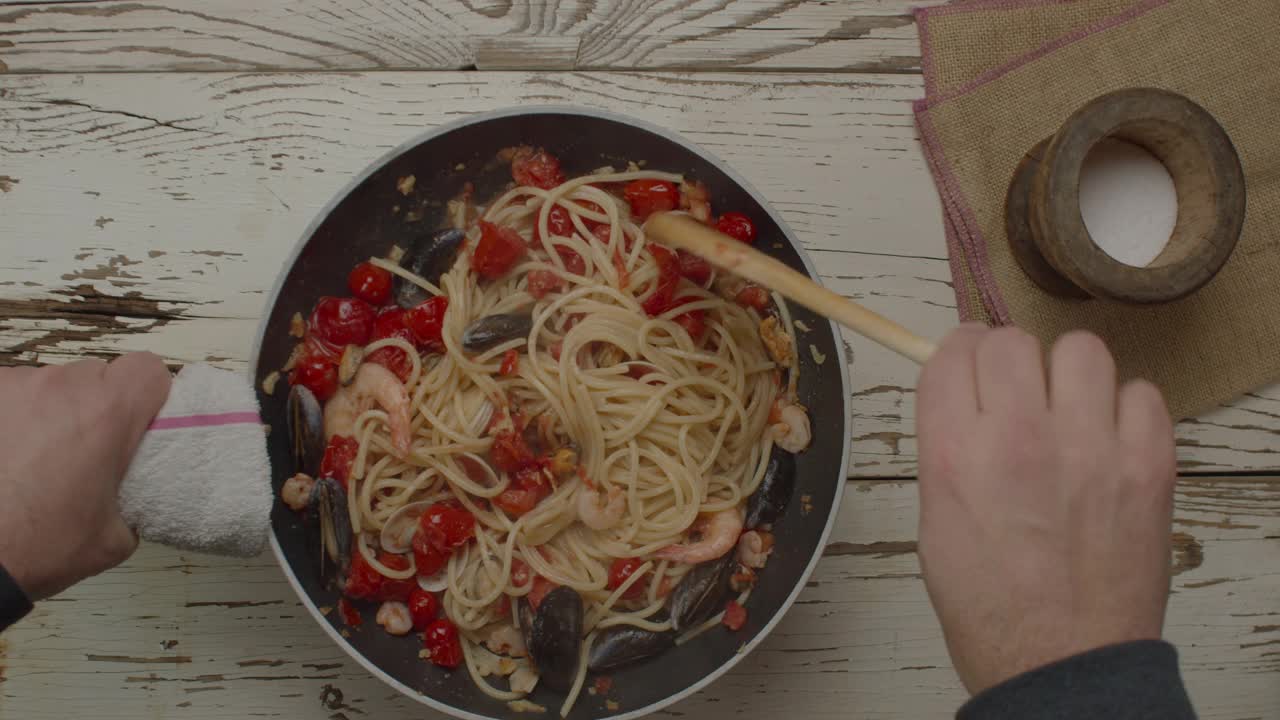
{"x": 177, "y": 636}
{"x": 173, "y": 35}
{"x": 153, "y": 211}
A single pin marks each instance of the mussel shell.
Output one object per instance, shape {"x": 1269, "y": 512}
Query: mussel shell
{"x": 553, "y": 635}
{"x": 305, "y": 419}
{"x": 493, "y": 330}
{"x": 702, "y": 592}
{"x": 329, "y": 530}
{"x": 767, "y": 503}
{"x": 623, "y": 644}
{"x": 429, "y": 258}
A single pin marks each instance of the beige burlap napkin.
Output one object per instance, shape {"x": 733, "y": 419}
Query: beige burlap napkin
{"x": 1001, "y": 75}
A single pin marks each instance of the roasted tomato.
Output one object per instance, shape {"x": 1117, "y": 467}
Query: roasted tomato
{"x": 541, "y": 586}
{"x": 737, "y": 226}
{"x": 338, "y": 322}
{"x": 520, "y": 572}
{"x": 649, "y": 196}
{"x": 541, "y": 283}
{"x": 510, "y": 363}
{"x": 447, "y": 525}
{"x": 426, "y": 322}
{"x": 528, "y": 487}
{"x": 559, "y": 224}
{"x": 753, "y": 296}
{"x": 398, "y": 590}
{"x": 659, "y": 299}
{"x": 363, "y": 582}
{"x": 428, "y": 558}
{"x": 693, "y": 268}
{"x": 498, "y": 250}
{"x": 510, "y": 452}
{"x": 620, "y": 570}
{"x": 441, "y": 641}
{"x": 338, "y": 456}
{"x": 423, "y": 608}
{"x": 735, "y": 616}
{"x": 538, "y": 168}
{"x": 573, "y": 262}
{"x": 370, "y": 283}
{"x": 316, "y": 373}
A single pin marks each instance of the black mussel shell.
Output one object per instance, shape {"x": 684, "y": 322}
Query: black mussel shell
{"x": 306, "y": 430}
{"x": 553, "y": 635}
{"x": 702, "y": 592}
{"x": 766, "y": 504}
{"x": 623, "y": 645}
{"x": 493, "y": 330}
{"x": 329, "y": 527}
{"x": 429, "y": 257}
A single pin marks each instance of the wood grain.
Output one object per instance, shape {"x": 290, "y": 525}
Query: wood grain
{"x": 172, "y": 35}
{"x": 183, "y": 636}
{"x": 154, "y": 211}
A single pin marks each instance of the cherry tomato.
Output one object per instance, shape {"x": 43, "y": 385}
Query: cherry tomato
{"x": 338, "y": 456}
{"x": 659, "y": 300}
{"x": 559, "y": 223}
{"x": 737, "y": 226}
{"x": 735, "y": 616}
{"x": 441, "y": 641}
{"x": 650, "y": 196}
{"x": 349, "y": 614}
{"x": 427, "y": 558}
{"x": 601, "y": 233}
{"x": 541, "y": 586}
{"x": 510, "y": 452}
{"x": 499, "y": 248}
{"x": 538, "y": 168}
{"x": 338, "y": 322}
{"x": 573, "y": 262}
{"x": 447, "y": 525}
{"x": 753, "y": 296}
{"x": 426, "y": 322}
{"x": 370, "y": 283}
{"x": 510, "y": 363}
{"x": 697, "y": 270}
{"x": 317, "y": 374}
{"x": 694, "y": 322}
{"x": 541, "y": 283}
{"x": 620, "y": 570}
{"x": 398, "y": 590}
{"x": 528, "y": 487}
{"x": 520, "y": 572}
{"x": 390, "y": 323}
{"x": 363, "y": 582}
{"x": 423, "y": 608}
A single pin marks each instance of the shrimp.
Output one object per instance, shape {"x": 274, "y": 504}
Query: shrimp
{"x": 754, "y": 547}
{"x": 506, "y": 640}
{"x": 296, "y": 491}
{"x": 717, "y": 534}
{"x": 601, "y": 512}
{"x": 792, "y": 432}
{"x": 394, "y": 617}
{"x": 372, "y": 383}
{"x": 776, "y": 341}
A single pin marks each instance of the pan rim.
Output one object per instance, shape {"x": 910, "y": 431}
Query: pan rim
{"x": 323, "y": 213}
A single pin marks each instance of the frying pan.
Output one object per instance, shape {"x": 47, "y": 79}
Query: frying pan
{"x": 370, "y": 214}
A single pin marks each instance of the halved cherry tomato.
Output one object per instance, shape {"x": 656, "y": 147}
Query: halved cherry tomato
{"x": 426, "y": 322}
{"x": 559, "y": 223}
{"x": 520, "y": 572}
{"x": 317, "y": 374}
{"x": 573, "y": 262}
{"x": 694, "y": 321}
{"x": 349, "y": 614}
{"x": 338, "y": 322}
{"x": 602, "y": 233}
{"x": 510, "y": 363}
{"x": 538, "y": 168}
{"x": 363, "y": 582}
{"x": 390, "y": 323}
{"x": 441, "y": 641}
{"x": 541, "y": 586}
{"x": 427, "y": 558}
{"x": 737, "y": 226}
{"x": 753, "y": 296}
{"x": 498, "y": 250}
{"x": 423, "y": 608}
{"x": 620, "y": 570}
{"x": 528, "y": 487}
{"x": 735, "y": 616}
{"x": 398, "y": 590}
{"x": 510, "y": 452}
{"x": 447, "y": 525}
{"x": 541, "y": 283}
{"x": 650, "y": 196}
{"x": 370, "y": 283}
{"x": 694, "y": 268}
{"x": 659, "y": 300}
{"x": 338, "y": 456}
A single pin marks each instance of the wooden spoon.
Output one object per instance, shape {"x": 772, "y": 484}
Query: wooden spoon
{"x": 682, "y": 231}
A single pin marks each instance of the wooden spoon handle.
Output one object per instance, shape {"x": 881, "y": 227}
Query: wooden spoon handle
{"x": 682, "y": 231}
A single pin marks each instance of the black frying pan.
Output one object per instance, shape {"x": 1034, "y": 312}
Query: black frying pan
{"x": 370, "y": 215}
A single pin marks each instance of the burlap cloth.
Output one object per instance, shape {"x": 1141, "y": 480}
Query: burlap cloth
{"x": 1002, "y": 75}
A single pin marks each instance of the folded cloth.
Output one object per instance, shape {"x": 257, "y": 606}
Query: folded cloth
{"x": 200, "y": 480}
{"x": 1002, "y": 75}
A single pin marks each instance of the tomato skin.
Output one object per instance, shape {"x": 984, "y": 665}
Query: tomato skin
{"x": 363, "y": 582}
{"x": 620, "y": 570}
{"x": 510, "y": 363}
{"x": 541, "y": 283}
{"x": 426, "y": 322}
{"x": 441, "y": 641}
{"x": 338, "y": 456}
{"x": 573, "y": 262}
{"x": 737, "y": 226}
{"x": 559, "y": 223}
{"x": 649, "y": 196}
{"x": 693, "y": 268}
{"x": 735, "y": 616}
{"x": 423, "y": 608}
{"x": 447, "y": 525}
{"x": 753, "y": 296}
{"x": 520, "y": 572}
{"x": 338, "y": 322}
{"x": 317, "y": 374}
{"x": 659, "y": 300}
{"x": 398, "y": 590}
{"x": 370, "y": 283}
{"x": 528, "y": 487}
{"x": 541, "y": 586}
{"x": 694, "y": 321}
{"x": 510, "y": 452}
{"x": 428, "y": 558}
{"x": 349, "y": 614}
{"x": 390, "y": 322}
{"x": 498, "y": 250}
{"x": 538, "y": 168}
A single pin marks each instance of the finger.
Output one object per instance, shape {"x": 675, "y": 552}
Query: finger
{"x": 947, "y": 389}
{"x": 1082, "y": 383}
{"x": 1145, "y": 428}
{"x": 141, "y": 381}
{"x": 1010, "y": 373}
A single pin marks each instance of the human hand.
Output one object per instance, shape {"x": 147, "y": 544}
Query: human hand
{"x": 1045, "y": 501}
{"x": 67, "y": 436}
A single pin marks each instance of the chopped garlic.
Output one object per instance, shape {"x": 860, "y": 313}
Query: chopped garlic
{"x": 269, "y": 382}
{"x": 406, "y": 183}
{"x": 818, "y": 357}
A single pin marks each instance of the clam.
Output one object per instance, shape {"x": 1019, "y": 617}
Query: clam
{"x": 329, "y": 527}
{"x": 493, "y": 330}
{"x": 429, "y": 258}
{"x": 435, "y": 583}
{"x": 702, "y": 592}
{"x": 766, "y": 504}
{"x": 397, "y": 532}
{"x": 623, "y": 644}
{"x": 305, "y": 419}
{"x": 553, "y": 636}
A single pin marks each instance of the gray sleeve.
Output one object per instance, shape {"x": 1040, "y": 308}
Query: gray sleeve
{"x": 1133, "y": 681}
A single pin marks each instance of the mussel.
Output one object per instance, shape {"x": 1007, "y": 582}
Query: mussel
{"x": 429, "y": 258}
{"x": 493, "y": 330}
{"x": 702, "y": 592}
{"x": 623, "y": 644}
{"x": 306, "y": 430}
{"x": 553, "y": 635}
{"x": 766, "y": 504}
{"x": 329, "y": 530}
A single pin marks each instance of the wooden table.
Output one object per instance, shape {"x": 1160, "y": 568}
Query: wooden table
{"x": 159, "y": 158}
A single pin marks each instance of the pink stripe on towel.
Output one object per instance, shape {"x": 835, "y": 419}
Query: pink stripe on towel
{"x": 176, "y": 422}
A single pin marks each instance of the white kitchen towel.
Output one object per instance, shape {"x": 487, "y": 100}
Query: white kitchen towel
{"x": 200, "y": 480}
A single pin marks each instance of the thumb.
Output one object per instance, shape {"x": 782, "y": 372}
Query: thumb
{"x": 141, "y": 381}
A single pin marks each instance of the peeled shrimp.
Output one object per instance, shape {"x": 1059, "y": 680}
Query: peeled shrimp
{"x": 717, "y": 534}
{"x": 600, "y": 512}
{"x": 296, "y": 491}
{"x": 394, "y": 617}
{"x": 506, "y": 640}
{"x": 372, "y": 383}
{"x": 754, "y": 547}
{"x": 792, "y": 432}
